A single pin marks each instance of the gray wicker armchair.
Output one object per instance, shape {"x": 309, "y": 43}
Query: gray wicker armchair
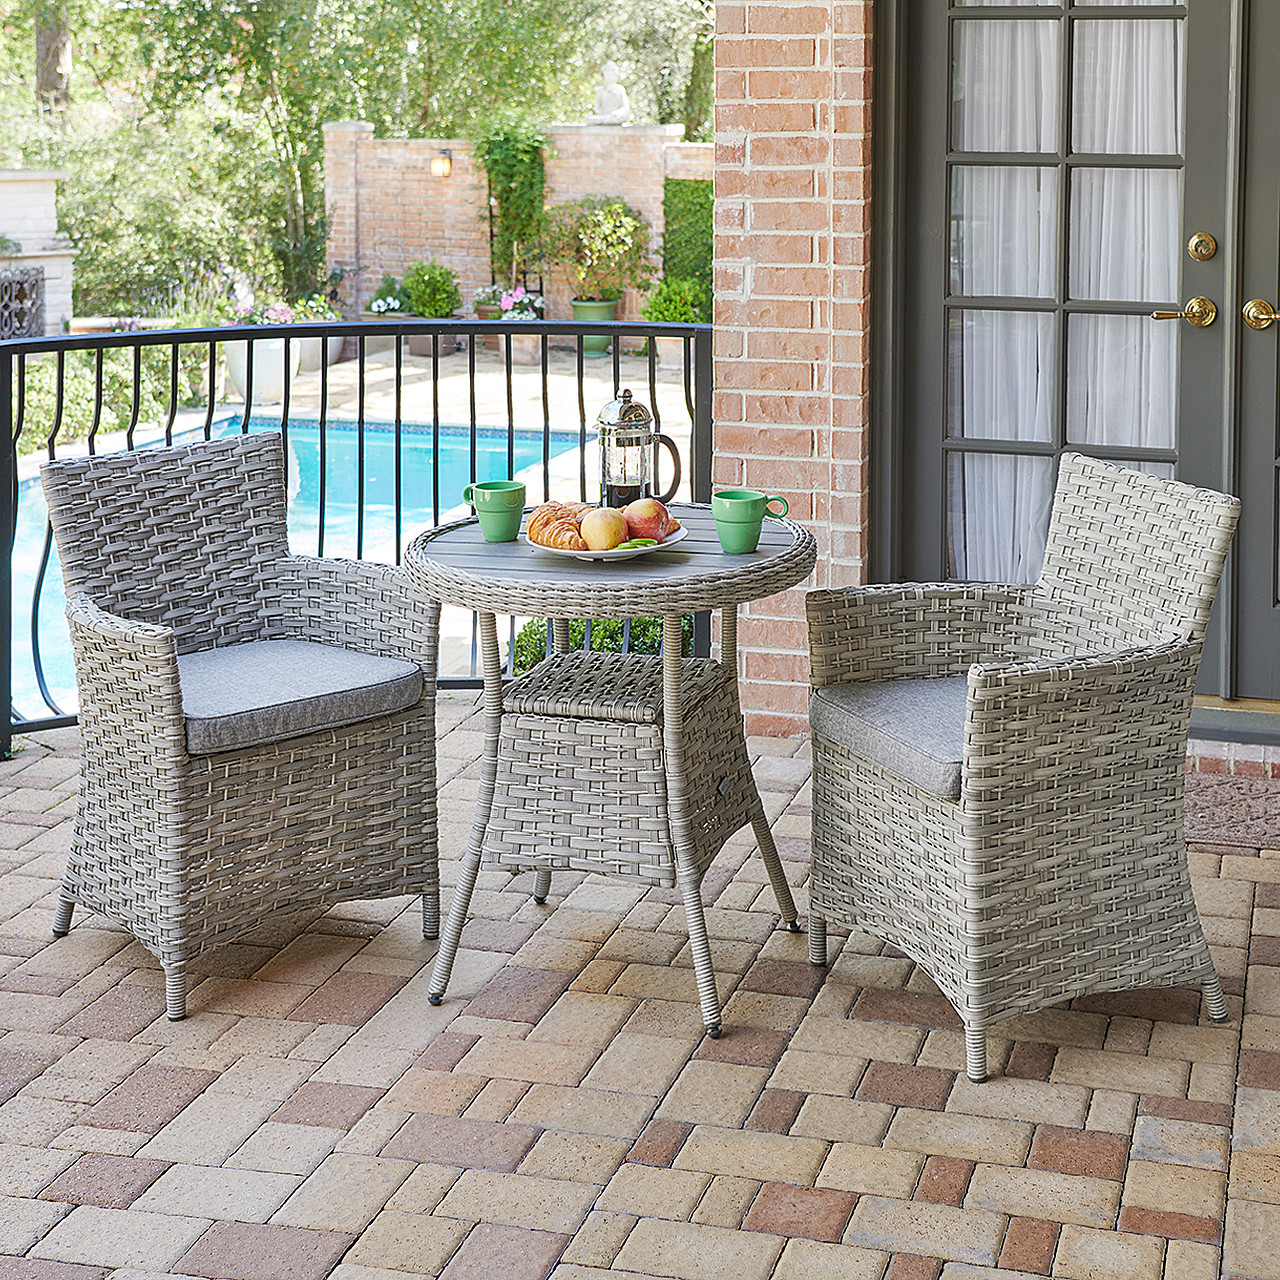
{"x": 258, "y": 729}
{"x": 998, "y": 770}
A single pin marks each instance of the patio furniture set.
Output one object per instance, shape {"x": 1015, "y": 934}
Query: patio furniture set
{"x": 997, "y": 769}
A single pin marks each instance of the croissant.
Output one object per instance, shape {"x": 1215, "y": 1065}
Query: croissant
{"x": 562, "y": 535}
{"x": 555, "y": 525}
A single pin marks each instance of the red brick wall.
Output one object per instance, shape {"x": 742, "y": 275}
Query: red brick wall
{"x": 791, "y": 173}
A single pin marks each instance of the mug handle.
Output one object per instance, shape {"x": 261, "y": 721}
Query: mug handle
{"x": 675, "y": 462}
{"x": 776, "y": 497}
{"x": 466, "y": 496}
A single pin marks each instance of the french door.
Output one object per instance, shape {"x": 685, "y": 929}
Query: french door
{"x": 1061, "y": 170}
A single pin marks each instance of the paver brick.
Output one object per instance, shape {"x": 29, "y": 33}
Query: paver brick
{"x": 654, "y": 1191}
{"x": 1108, "y": 1255}
{"x": 762, "y": 1156}
{"x": 112, "y": 1182}
{"x": 243, "y": 1195}
{"x": 470, "y": 1144}
{"x": 258, "y": 1251}
{"x": 692, "y": 1252}
{"x": 120, "y": 1238}
{"x": 852, "y": 1167}
{"x": 933, "y": 1230}
{"x": 1043, "y": 1193}
{"x": 491, "y": 1249}
{"x": 815, "y": 1213}
{"x": 726, "y": 1201}
{"x": 515, "y": 1200}
{"x": 802, "y": 1259}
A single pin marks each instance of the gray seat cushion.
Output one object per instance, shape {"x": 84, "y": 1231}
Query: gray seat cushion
{"x": 912, "y": 728}
{"x": 245, "y": 695}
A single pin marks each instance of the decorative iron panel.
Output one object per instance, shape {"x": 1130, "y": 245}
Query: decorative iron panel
{"x": 21, "y": 302}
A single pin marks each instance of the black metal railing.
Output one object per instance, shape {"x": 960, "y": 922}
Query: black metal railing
{"x": 375, "y": 447}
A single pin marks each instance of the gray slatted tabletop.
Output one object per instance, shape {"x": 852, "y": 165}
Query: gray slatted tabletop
{"x": 549, "y": 808}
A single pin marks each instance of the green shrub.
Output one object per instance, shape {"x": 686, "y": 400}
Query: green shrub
{"x": 602, "y": 245}
{"x": 432, "y": 290}
{"x": 606, "y": 637}
{"x": 687, "y": 240}
{"x": 512, "y": 158}
{"x": 678, "y": 301}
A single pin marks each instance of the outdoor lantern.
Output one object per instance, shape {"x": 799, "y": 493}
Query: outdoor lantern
{"x": 442, "y": 165}
{"x": 627, "y": 442}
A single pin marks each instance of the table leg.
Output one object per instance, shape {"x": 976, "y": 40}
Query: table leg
{"x": 559, "y": 644}
{"x": 452, "y": 933}
{"x": 687, "y": 876}
{"x": 759, "y": 822}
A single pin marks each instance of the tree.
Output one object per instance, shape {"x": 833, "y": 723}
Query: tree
{"x": 53, "y": 56}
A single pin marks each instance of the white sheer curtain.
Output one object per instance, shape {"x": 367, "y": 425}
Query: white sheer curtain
{"x": 1123, "y": 221}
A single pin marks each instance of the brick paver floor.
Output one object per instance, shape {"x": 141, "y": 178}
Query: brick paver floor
{"x": 560, "y": 1114}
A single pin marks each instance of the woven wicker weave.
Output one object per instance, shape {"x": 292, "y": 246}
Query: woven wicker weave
{"x": 168, "y": 551}
{"x": 1061, "y": 870}
{"x": 634, "y": 767}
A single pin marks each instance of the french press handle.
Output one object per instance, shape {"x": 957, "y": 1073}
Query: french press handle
{"x": 659, "y": 438}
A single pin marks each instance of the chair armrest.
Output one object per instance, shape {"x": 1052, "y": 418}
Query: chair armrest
{"x": 352, "y": 604}
{"x": 127, "y": 681}
{"x": 1120, "y": 717}
{"x": 897, "y": 631}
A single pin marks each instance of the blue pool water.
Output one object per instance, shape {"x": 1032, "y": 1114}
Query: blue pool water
{"x": 344, "y": 534}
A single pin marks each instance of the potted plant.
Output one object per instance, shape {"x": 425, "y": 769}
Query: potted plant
{"x": 676, "y": 300}
{"x": 602, "y": 245}
{"x": 432, "y": 291}
{"x": 270, "y": 373}
{"x": 520, "y": 304}
{"x": 487, "y": 304}
{"x": 315, "y": 351}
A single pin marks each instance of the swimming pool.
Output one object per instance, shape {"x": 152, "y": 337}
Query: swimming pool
{"x": 348, "y": 455}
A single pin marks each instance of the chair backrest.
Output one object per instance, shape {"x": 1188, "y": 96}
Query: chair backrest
{"x": 1130, "y": 559}
{"x": 176, "y": 536}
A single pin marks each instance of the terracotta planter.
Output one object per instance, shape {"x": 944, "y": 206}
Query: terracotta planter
{"x": 490, "y": 311}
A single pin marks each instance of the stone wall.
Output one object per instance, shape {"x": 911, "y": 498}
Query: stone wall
{"x": 387, "y": 211}
{"x": 29, "y": 215}
{"x": 791, "y": 308}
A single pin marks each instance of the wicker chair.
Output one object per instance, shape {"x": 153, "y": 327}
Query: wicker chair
{"x": 998, "y": 770}
{"x": 258, "y": 729}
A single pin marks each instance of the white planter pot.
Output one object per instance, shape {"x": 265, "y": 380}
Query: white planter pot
{"x": 311, "y": 349}
{"x": 269, "y": 374}
{"x": 526, "y": 348}
{"x": 670, "y": 353}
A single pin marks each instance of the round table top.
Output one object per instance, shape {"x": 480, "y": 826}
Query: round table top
{"x": 455, "y": 565}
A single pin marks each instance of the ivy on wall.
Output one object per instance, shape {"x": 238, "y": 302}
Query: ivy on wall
{"x": 686, "y": 243}
{"x": 512, "y": 158}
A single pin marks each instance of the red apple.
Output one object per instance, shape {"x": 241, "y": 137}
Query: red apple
{"x": 647, "y": 518}
{"x": 602, "y": 528}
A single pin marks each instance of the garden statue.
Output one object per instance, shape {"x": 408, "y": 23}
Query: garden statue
{"x": 612, "y": 106}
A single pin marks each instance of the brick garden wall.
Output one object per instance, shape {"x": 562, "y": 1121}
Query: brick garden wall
{"x": 791, "y": 311}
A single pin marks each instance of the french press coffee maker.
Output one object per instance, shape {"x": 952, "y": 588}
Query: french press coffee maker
{"x": 627, "y": 461}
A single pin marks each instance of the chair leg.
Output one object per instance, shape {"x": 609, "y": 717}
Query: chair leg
{"x": 773, "y": 865}
{"x": 452, "y": 933}
{"x": 431, "y": 913}
{"x": 700, "y": 946}
{"x": 541, "y": 885}
{"x": 975, "y": 1053}
{"x": 62, "y": 916}
{"x": 817, "y": 940}
{"x": 1215, "y": 1004}
{"x": 175, "y": 991}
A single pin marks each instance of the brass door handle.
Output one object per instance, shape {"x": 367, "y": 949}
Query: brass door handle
{"x": 1198, "y": 311}
{"x": 1258, "y": 314}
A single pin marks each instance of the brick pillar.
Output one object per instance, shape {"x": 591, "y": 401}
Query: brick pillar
{"x": 791, "y": 360}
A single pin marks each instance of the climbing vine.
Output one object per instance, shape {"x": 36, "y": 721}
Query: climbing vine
{"x": 512, "y": 158}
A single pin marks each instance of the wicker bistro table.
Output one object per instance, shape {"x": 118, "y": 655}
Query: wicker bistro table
{"x": 615, "y": 763}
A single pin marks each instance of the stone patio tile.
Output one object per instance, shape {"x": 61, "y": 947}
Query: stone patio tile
{"x": 1084, "y": 1152}
{"x": 209, "y": 1130}
{"x": 257, "y": 1251}
{"x": 496, "y": 1100}
{"x": 583, "y": 1018}
{"x": 242, "y": 1195}
{"x": 285, "y": 1148}
{"x": 900, "y": 1085}
{"x": 1161, "y": 1222}
{"x": 649, "y": 1191}
{"x": 23, "y": 1222}
{"x": 1003, "y": 1099}
{"x": 1112, "y": 1111}
{"x": 118, "y": 1015}
{"x": 111, "y": 1060}
{"x": 518, "y": 993}
{"x": 1088, "y": 1254}
{"x": 803, "y": 1259}
{"x": 1195, "y": 1044}
{"x": 786, "y": 1210}
{"x": 537, "y": 1062}
{"x": 309, "y": 960}
{"x": 112, "y": 1182}
{"x": 584, "y": 1110}
{"x": 1249, "y": 1244}
{"x": 112, "y": 1142}
{"x": 333, "y": 1106}
{"x": 492, "y": 1250}
{"x": 424, "y": 1188}
{"x": 36, "y": 1269}
{"x": 1185, "y": 1260}
{"x": 120, "y": 1238}
{"x": 397, "y": 1243}
{"x": 692, "y": 1252}
{"x": 758, "y": 1009}
{"x": 148, "y": 1099}
{"x": 1042, "y": 1193}
{"x": 852, "y": 1167}
{"x": 766, "y": 1157}
{"x": 1029, "y": 1245}
{"x": 472, "y": 1144}
{"x": 32, "y": 1121}
{"x": 597, "y": 1241}
{"x": 1255, "y": 1176}
{"x": 24, "y": 1171}
{"x": 1101, "y": 1069}
{"x": 1180, "y": 1142}
{"x": 514, "y": 1200}
{"x": 254, "y": 1076}
{"x": 934, "y": 1230}
{"x": 637, "y": 1063}
{"x": 818, "y": 1073}
{"x": 344, "y": 1194}
{"x": 876, "y": 1041}
{"x": 715, "y": 1093}
{"x": 1175, "y": 1188}
{"x": 249, "y": 997}
{"x": 578, "y": 1157}
{"x": 842, "y": 1120}
{"x": 447, "y": 1093}
{"x": 725, "y": 1202}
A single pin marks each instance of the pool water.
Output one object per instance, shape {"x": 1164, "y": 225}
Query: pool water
{"x": 345, "y": 534}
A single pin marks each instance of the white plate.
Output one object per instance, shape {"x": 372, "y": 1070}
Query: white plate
{"x": 619, "y": 553}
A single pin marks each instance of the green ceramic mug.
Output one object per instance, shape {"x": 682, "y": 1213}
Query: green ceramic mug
{"x": 740, "y": 515}
{"x": 500, "y": 506}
